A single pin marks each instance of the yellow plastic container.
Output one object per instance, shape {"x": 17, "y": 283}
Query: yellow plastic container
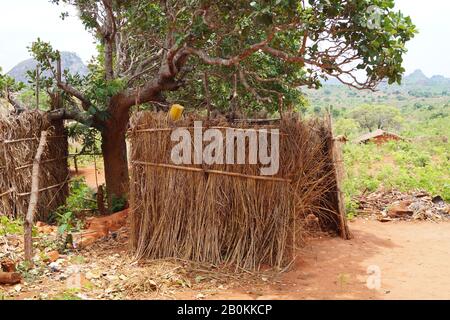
{"x": 176, "y": 112}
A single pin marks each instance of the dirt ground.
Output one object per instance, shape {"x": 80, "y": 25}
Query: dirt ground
{"x": 89, "y": 174}
{"x": 413, "y": 260}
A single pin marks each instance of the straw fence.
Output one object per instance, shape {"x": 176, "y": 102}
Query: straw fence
{"x": 230, "y": 214}
{"x": 19, "y": 139}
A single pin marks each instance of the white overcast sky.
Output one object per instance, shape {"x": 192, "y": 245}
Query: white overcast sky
{"x": 22, "y": 21}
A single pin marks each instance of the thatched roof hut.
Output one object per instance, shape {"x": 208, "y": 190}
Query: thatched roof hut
{"x": 379, "y": 137}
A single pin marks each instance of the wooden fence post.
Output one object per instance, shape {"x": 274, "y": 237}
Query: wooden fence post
{"x": 338, "y": 167}
{"x": 38, "y": 75}
{"x": 34, "y": 197}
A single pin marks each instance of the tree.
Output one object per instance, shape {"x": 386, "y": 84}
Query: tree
{"x": 255, "y": 53}
{"x": 346, "y": 127}
{"x": 373, "y": 117}
{"x": 9, "y": 89}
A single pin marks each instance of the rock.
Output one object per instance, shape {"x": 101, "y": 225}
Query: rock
{"x": 18, "y": 288}
{"x": 10, "y": 278}
{"x": 399, "y": 209}
{"x": 385, "y": 219}
{"x": 112, "y": 278}
{"x": 45, "y": 228}
{"x": 123, "y": 277}
{"x": 8, "y": 265}
{"x": 200, "y": 296}
{"x": 54, "y": 267}
{"x": 52, "y": 256}
{"x": 110, "y": 290}
{"x": 438, "y": 201}
{"x": 82, "y": 296}
{"x": 92, "y": 275}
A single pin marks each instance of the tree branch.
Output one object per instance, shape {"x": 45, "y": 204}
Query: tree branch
{"x": 18, "y": 107}
{"x": 64, "y": 114}
{"x": 76, "y": 93}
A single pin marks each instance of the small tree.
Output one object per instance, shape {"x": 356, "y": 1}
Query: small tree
{"x": 377, "y": 117}
{"x": 346, "y": 127}
{"x": 256, "y": 53}
{"x": 8, "y": 90}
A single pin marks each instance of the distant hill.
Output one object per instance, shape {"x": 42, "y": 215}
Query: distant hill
{"x": 416, "y": 89}
{"x": 69, "y": 60}
{"x": 419, "y": 78}
{"x": 415, "y": 79}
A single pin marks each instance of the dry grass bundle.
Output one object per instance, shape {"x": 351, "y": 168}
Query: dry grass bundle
{"x": 228, "y": 220}
{"x": 19, "y": 138}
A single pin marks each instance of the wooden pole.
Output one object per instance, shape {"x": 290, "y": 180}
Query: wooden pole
{"x": 38, "y": 75}
{"x": 59, "y": 80}
{"x": 75, "y": 162}
{"x": 34, "y": 197}
{"x": 207, "y": 93}
{"x": 336, "y": 153}
{"x": 58, "y": 70}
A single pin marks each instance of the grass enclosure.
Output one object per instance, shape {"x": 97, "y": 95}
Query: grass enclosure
{"x": 227, "y": 220}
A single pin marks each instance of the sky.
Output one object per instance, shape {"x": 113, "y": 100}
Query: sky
{"x": 23, "y": 21}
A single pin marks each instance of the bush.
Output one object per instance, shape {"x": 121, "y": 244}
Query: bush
{"x": 8, "y": 226}
{"x": 81, "y": 198}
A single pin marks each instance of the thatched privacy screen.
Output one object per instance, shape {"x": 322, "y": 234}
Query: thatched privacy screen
{"x": 19, "y": 139}
{"x": 224, "y": 214}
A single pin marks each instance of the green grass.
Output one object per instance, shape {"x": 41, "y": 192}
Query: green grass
{"x": 67, "y": 295}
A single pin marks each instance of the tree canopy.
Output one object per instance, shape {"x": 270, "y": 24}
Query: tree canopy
{"x": 223, "y": 54}
{"x": 372, "y": 117}
{"x": 258, "y": 52}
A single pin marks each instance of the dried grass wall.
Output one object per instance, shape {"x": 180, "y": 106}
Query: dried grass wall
{"x": 209, "y": 216}
{"x": 19, "y": 138}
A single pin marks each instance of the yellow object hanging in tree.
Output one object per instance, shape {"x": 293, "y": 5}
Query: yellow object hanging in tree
{"x": 176, "y": 112}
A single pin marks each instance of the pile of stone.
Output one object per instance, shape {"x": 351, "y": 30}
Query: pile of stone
{"x": 395, "y": 205}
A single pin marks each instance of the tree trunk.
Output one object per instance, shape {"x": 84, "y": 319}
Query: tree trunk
{"x": 114, "y": 152}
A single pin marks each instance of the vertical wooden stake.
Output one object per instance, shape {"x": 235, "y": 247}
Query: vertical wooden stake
{"x": 58, "y": 70}
{"x": 95, "y": 169}
{"x": 207, "y": 93}
{"x": 38, "y": 75}
{"x": 338, "y": 166}
{"x": 59, "y": 80}
{"x": 34, "y": 197}
{"x": 75, "y": 162}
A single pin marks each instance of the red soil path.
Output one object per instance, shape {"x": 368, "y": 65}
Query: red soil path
{"x": 414, "y": 260}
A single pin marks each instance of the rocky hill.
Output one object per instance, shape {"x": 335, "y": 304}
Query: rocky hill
{"x": 69, "y": 60}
